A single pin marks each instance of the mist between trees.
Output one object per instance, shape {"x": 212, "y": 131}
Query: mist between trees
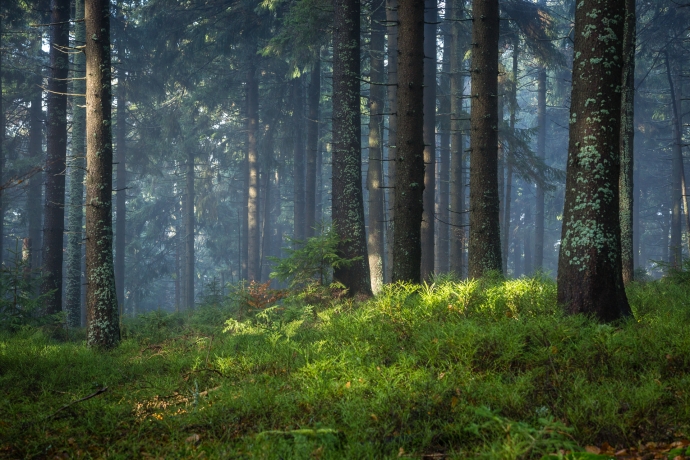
{"x": 183, "y": 145}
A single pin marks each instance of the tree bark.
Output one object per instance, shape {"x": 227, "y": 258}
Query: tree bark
{"x": 34, "y": 193}
{"x": 2, "y": 157}
{"x": 314, "y": 97}
{"x": 121, "y": 186}
{"x": 299, "y": 219}
{"x": 626, "y": 183}
{"x": 676, "y": 246}
{"x": 443, "y": 187}
{"x": 189, "y": 233}
{"x": 590, "y": 279}
{"x": 485, "y": 235}
{"x": 391, "y": 99}
{"x": 54, "y": 225}
{"x": 253, "y": 216}
{"x": 348, "y": 205}
{"x": 409, "y": 170}
{"x": 75, "y": 214}
{"x": 428, "y": 213}
{"x": 510, "y": 159}
{"x": 103, "y": 325}
{"x": 541, "y": 153}
{"x": 375, "y": 172}
{"x": 457, "y": 183}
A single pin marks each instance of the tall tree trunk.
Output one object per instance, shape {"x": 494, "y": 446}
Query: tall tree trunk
{"x": 54, "y": 226}
{"x": 314, "y": 97}
{"x": 409, "y": 187}
{"x": 429, "y": 215}
{"x": 485, "y": 235}
{"x": 319, "y": 184}
{"x": 35, "y": 148}
{"x": 625, "y": 183}
{"x": 181, "y": 249}
{"x": 121, "y": 186}
{"x": 348, "y": 204}
{"x": 189, "y": 233}
{"x": 510, "y": 159}
{"x": 375, "y": 173}
{"x": 442, "y": 249}
{"x": 391, "y": 97}
{"x": 590, "y": 280}
{"x": 457, "y": 183}
{"x": 103, "y": 325}
{"x": 75, "y": 212}
{"x": 2, "y": 157}
{"x": 253, "y": 216}
{"x": 541, "y": 153}
{"x": 298, "y": 178}
{"x": 676, "y": 247}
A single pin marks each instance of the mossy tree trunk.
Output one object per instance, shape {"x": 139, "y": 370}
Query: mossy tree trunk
{"x": 428, "y": 212}
{"x": 298, "y": 177}
{"x": 253, "y": 214}
{"x": 409, "y": 169}
{"x": 314, "y": 97}
{"x": 54, "y": 224}
{"x": 485, "y": 235}
{"x": 103, "y": 326}
{"x": 348, "y": 204}
{"x": 391, "y": 100}
{"x": 590, "y": 280}
{"x": 626, "y": 183}
{"x": 375, "y": 238}
{"x": 75, "y": 211}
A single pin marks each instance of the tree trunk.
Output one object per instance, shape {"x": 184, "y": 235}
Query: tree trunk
{"x": 392, "y": 92}
{"x": 54, "y": 226}
{"x": 457, "y": 184}
{"x": 75, "y": 212}
{"x": 626, "y": 184}
{"x": 121, "y": 187}
{"x": 676, "y": 247}
{"x": 442, "y": 249}
{"x": 485, "y": 235}
{"x": 299, "y": 221}
{"x": 590, "y": 280}
{"x": 2, "y": 157}
{"x": 189, "y": 233}
{"x": 253, "y": 216}
{"x": 348, "y": 205}
{"x": 181, "y": 249}
{"x": 409, "y": 187}
{"x": 527, "y": 238}
{"x": 375, "y": 173}
{"x": 103, "y": 325}
{"x": 34, "y": 193}
{"x": 428, "y": 213}
{"x": 541, "y": 153}
{"x": 314, "y": 97}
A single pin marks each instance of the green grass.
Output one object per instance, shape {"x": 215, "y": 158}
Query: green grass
{"x": 485, "y": 368}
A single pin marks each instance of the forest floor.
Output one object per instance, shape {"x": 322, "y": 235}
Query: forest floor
{"x": 488, "y": 369}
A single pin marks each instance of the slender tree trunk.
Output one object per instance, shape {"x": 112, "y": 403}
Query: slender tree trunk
{"x": 178, "y": 269}
{"x": 392, "y": 92}
{"x": 625, "y": 182}
{"x": 442, "y": 248}
{"x": 253, "y": 227}
{"x": 75, "y": 214}
{"x": 590, "y": 279}
{"x": 485, "y": 235}
{"x": 57, "y": 154}
{"x": 314, "y": 97}
{"x": 509, "y": 161}
{"x": 189, "y": 233}
{"x": 2, "y": 157}
{"x": 409, "y": 187}
{"x": 181, "y": 249}
{"x": 541, "y": 153}
{"x": 375, "y": 173}
{"x": 121, "y": 187}
{"x": 299, "y": 220}
{"x": 348, "y": 205}
{"x": 527, "y": 238}
{"x": 428, "y": 216}
{"x": 676, "y": 247}
{"x": 103, "y": 325}
{"x": 457, "y": 183}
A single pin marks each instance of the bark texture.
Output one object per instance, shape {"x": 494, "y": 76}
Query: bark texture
{"x": 103, "y": 325}
{"x": 35, "y": 192}
{"x": 391, "y": 96}
{"x": 348, "y": 204}
{"x": 589, "y": 271}
{"x": 253, "y": 219}
{"x": 442, "y": 249}
{"x": 409, "y": 169}
{"x": 485, "y": 235}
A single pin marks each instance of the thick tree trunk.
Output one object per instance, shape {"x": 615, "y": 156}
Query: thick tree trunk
{"x": 391, "y": 100}
{"x": 253, "y": 216}
{"x": 348, "y": 204}
{"x": 676, "y": 247}
{"x": 314, "y": 97}
{"x": 75, "y": 212}
{"x": 189, "y": 233}
{"x": 626, "y": 184}
{"x": 54, "y": 226}
{"x": 429, "y": 215}
{"x": 103, "y": 325}
{"x": 590, "y": 280}
{"x": 409, "y": 187}
{"x": 457, "y": 183}
{"x": 121, "y": 188}
{"x": 375, "y": 173}
{"x": 485, "y": 235}
{"x": 299, "y": 221}
{"x": 443, "y": 186}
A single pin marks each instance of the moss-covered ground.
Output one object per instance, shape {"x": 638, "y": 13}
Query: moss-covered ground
{"x": 487, "y": 368}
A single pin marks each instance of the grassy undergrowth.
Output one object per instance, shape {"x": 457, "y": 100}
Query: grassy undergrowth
{"x": 485, "y": 368}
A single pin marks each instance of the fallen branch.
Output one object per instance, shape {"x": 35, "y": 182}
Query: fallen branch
{"x": 102, "y": 390}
